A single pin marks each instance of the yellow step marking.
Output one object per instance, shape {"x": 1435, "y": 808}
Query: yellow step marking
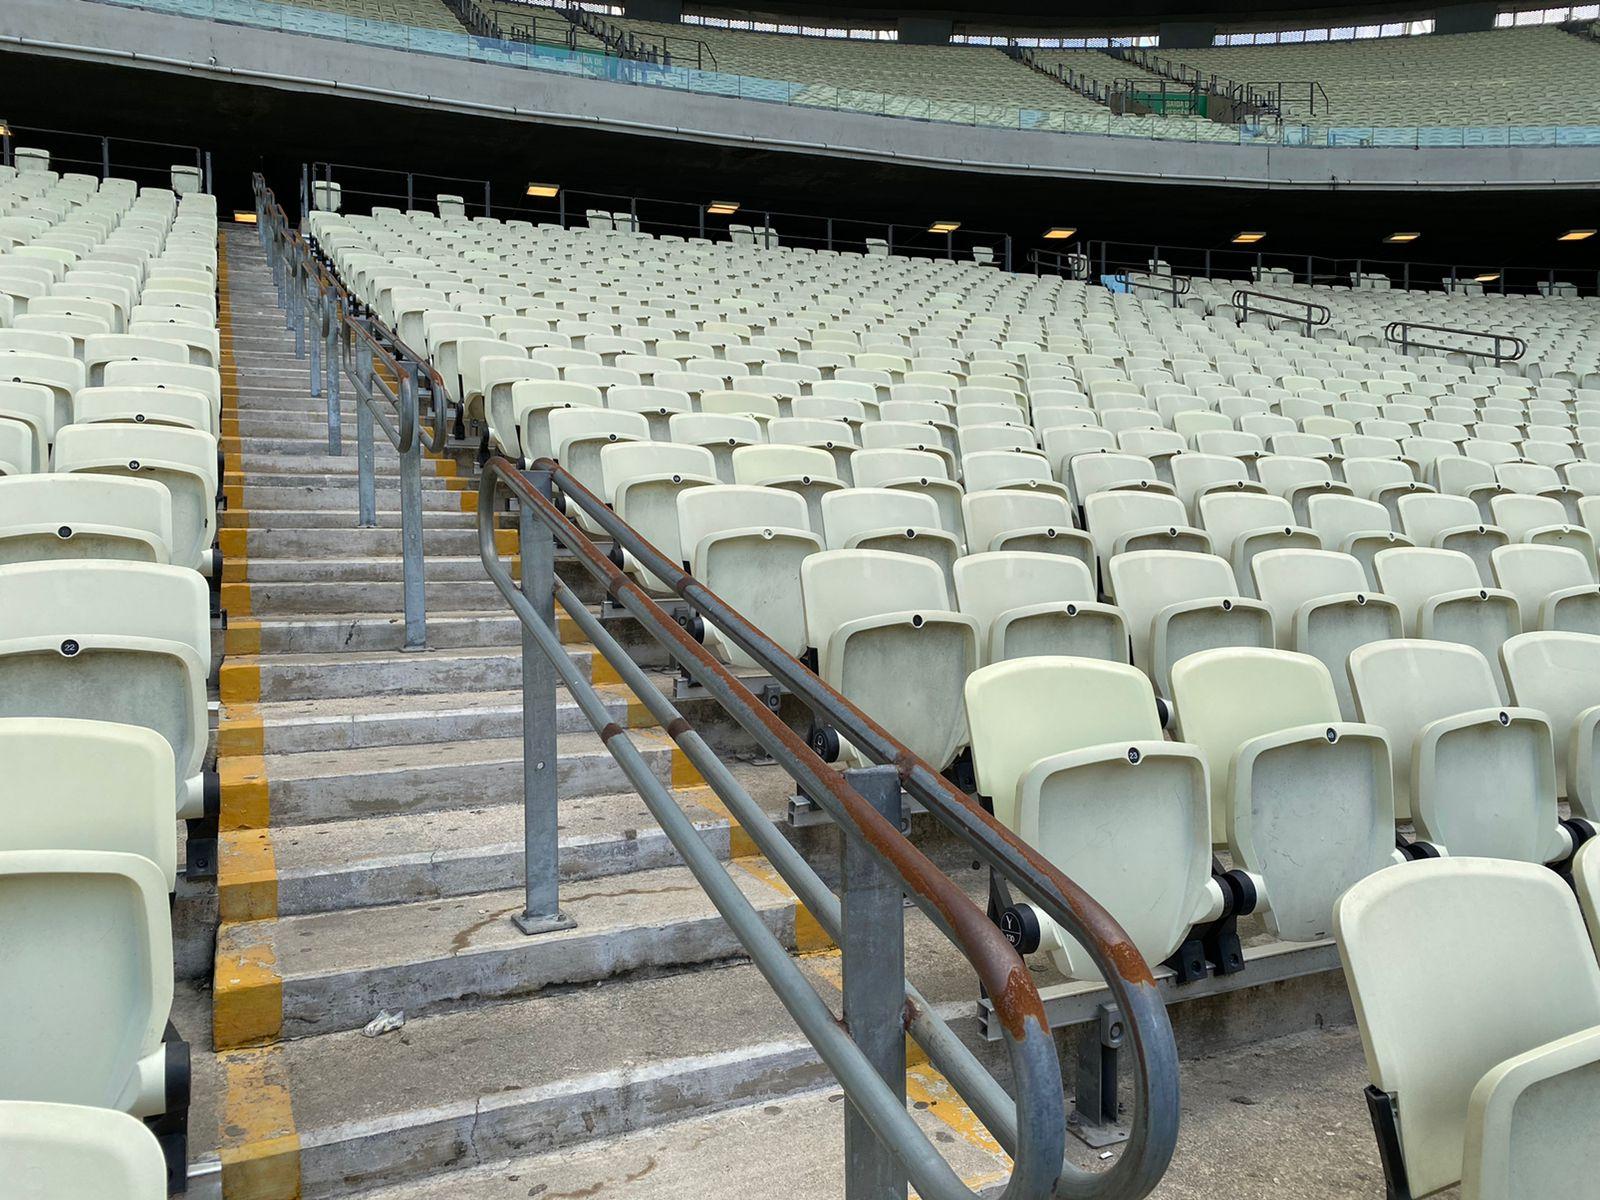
{"x": 247, "y": 991}
{"x": 239, "y": 682}
{"x": 809, "y": 935}
{"x": 245, "y": 802}
{"x": 257, "y": 1142}
{"x": 243, "y": 637}
{"x": 247, "y": 876}
{"x": 240, "y": 733}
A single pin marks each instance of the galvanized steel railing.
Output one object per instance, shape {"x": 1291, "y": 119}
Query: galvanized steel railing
{"x": 1029, "y": 1124}
{"x": 885, "y": 1149}
{"x": 389, "y": 380}
{"x": 1311, "y": 315}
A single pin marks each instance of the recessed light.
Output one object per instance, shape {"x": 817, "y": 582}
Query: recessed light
{"x": 1576, "y": 235}
{"x": 1487, "y": 277}
{"x": 1249, "y": 237}
{"x": 546, "y": 190}
{"x": 723, "y": 208}
{"x": 5, "y": 128}
{"x": 1059, "y": 233}
{"x": 244, "y": 216}
{"x": 944, "y": 227}
{"x": 1402, "y": 237}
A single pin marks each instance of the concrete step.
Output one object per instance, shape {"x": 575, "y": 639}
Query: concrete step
{"x": 727, "y": 1155}
{"x": 437, "y": 568}
{"x": 298, "y": 543}
{"x": 358, "y": 597}
{"x": 314, "y": 676}
{"x": 558, "y": 1071}
{"x": 370, "y": 861}
{"x": 264, "y": 514}
{"x": 336, "y": 971}
{"x": 362, "y": 722}
{"x": 340, "y": 481}
{"x": 341, "y": 495}
{"x": 319, "y": 633}
{"x": 315, "y": 463}
{"x": 335, "y": 785}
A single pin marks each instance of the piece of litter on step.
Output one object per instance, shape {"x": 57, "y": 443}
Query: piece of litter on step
{"x": 384, "y": 1022}
{"x": 1105, "y": 1155}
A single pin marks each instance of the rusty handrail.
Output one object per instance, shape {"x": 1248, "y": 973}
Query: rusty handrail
{"x": 1153, "y": 1135}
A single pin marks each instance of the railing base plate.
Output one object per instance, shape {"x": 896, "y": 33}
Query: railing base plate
{"x": 531, "y": 925}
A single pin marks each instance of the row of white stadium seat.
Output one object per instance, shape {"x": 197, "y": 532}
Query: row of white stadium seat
{"x": 110, "y": 410}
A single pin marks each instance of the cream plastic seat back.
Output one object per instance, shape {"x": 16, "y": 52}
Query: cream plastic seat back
{"x": 1321, "y": 606}
{"x": 1446, "y": 522}
{"x": 746, "y": 544}
{"x": 1302, "y": 799}
{"x": 535, "y": 402}
{"x": 889, "y": 519}
{"x": 1553, "y": 586}
{"x": 184, "y": 460}
{"x": 1179, "y": 603}
{"x": 808, "y": 471}
{"x": 1242, "y": 525}
{"x": 1476, "y": 777}
{"x": 67, "y": 1151}
{"x": 1036, "y": 522}
{"x": 88, "y": 979}
{"x": 1071, "y": 754}
{"x": 642, "y": 482}
{"x": 1354, "y": 526}
{"x": 1124, "y": 520}
{"x": 720, "y": 433}
{"x": 87, "y": 785}
{"x": 112, "y": 641}
{"x": 1030, "y": 604}
{"x": 47, "y": 517}
{"x": 1489, "y": 1075}
{"x": 141, "y": 373}
{"x": 1441, "y": 599}
{"x": 1554, "y": 673}
{"x": 879, "y": 621}
{"x": 1543, "y": 521}
{"x": 913, "y": 470}
{"x": 101, "y": 349}
{"x": 1193, "y": 475}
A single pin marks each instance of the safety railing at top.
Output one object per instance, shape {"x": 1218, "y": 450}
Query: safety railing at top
{"x": 675, "y": 76}
{"x": 1503, "y": 347}
{"x": 1307, "y": 312}
{"x": 1174, "y": 286}
{"x": 885, "y": 1149}
{"x": 390, "y": 382}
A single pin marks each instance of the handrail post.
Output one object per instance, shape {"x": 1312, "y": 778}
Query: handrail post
{"x": 314, "y": 341}
{"x": 331, "y": 362}
{"x": 366, "y": 485}
{"x": 541, "y": 908}
{"x": 873, "y": 915}
{"x": 413, "y": 572}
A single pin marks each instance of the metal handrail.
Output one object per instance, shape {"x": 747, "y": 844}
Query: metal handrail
{"x": 387, "y": 376}
{"x": 1154, "y": 1128}
{"x": 1316, "y": 315}
{"x": 1399, "y": 332}
{"x": 1171, "y": 284}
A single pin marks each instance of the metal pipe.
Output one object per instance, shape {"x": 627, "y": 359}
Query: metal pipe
{"x": 1154, "y": 1131}
{"x": 1032, "y": 1050}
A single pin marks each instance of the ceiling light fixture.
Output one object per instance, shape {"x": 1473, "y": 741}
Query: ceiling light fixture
{"x": 5, "y": 127}
{"x": 1402, "y": 237}
{"x": 1059, "y": 233}
{"x": 944, "y": 227}
{"x": 1576, "y": 235}
{"x": 546, "y": 190}
{"x": 1249, "y": 237}
{"x": 723, "y": 208}
{"x": 244, "y": 216}
{"x": 1487, "y": 277}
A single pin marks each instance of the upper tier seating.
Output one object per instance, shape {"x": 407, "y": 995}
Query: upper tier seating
{"x": 1504, "y": 77}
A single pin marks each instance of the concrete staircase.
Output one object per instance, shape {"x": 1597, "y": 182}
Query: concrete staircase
{"x": 371, "y": 853}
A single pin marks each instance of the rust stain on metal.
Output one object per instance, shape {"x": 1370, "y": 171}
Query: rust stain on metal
{"x": 610, "y": 731}
{"x": 677, "y": 727}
